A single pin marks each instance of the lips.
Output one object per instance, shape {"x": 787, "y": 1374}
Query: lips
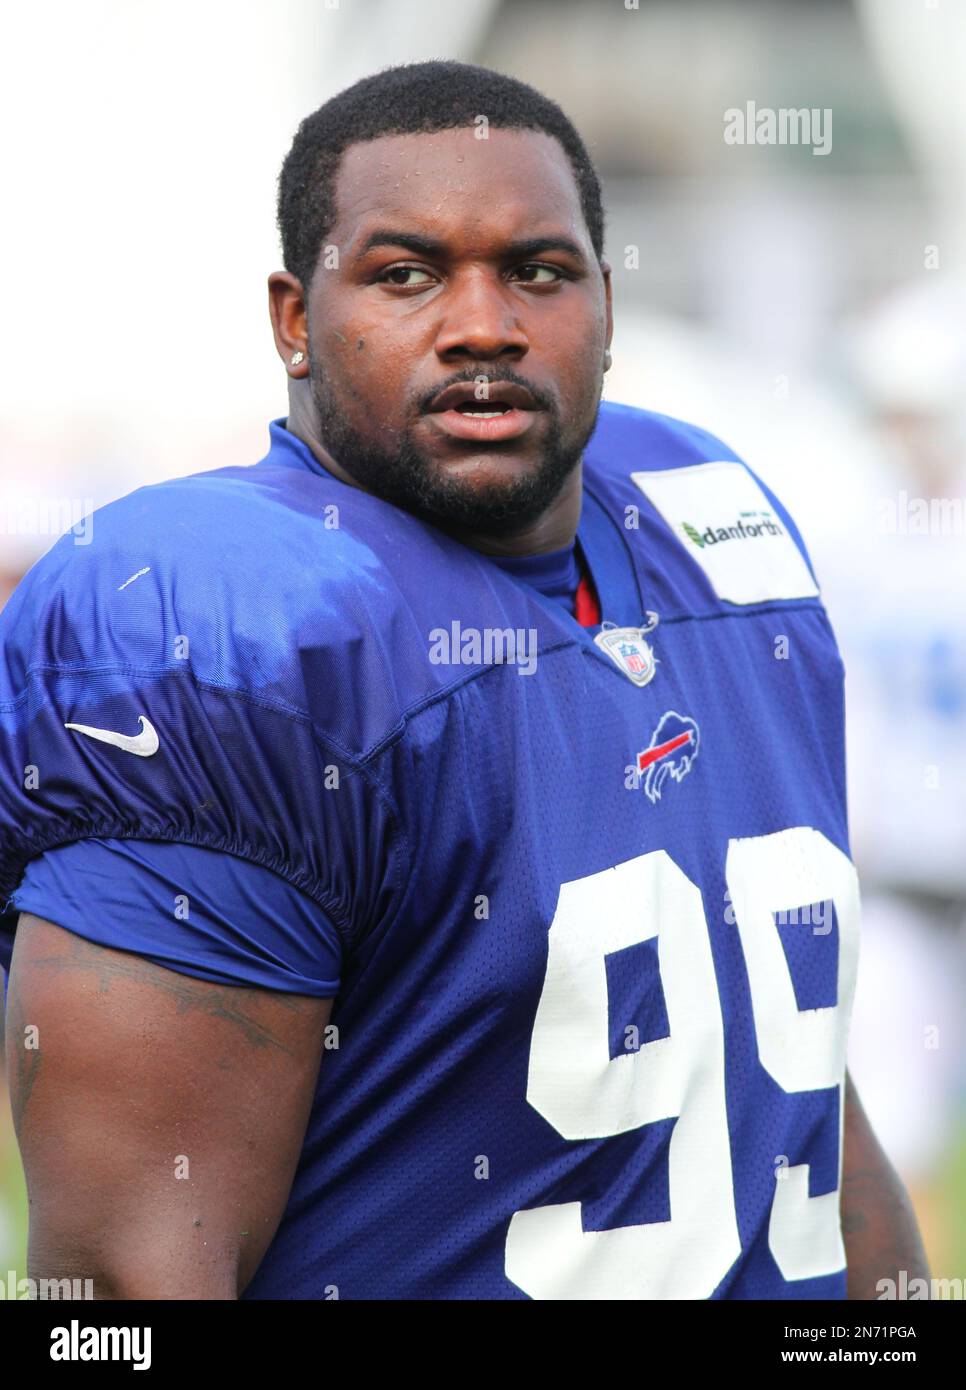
{"x": 481, "y": 429}
{"x": 499, "y": 394}
{"x": 505, "y": 412}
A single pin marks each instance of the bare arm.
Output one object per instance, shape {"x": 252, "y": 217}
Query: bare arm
{"x": 878, "y": 1223}
{"x": 160, "y": 1117}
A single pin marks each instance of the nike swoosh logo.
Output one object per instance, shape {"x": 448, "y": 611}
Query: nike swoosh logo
{"x": 142, "y": 745}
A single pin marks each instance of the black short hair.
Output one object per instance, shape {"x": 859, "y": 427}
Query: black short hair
{"x": 414, "y": 98}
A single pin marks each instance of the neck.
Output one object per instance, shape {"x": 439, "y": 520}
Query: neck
{"x": 553, "y": 530}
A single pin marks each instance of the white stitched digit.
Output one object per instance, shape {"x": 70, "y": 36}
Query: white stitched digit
{"x": 802, "y": 1049}
{"x": 585, "y": 1093}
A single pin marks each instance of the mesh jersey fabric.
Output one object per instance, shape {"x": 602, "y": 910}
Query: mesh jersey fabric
{"x": 598, "y": 937}
{"x": 224, "y": 919}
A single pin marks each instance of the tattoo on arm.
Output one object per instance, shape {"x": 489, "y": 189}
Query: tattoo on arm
{"x": 23, "y": 1062}
{"x": 232, "y": 1003}
{"x": 240, "y": 1007}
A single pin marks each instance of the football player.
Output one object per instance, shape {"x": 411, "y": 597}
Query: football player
{"x": 424, "y": 851}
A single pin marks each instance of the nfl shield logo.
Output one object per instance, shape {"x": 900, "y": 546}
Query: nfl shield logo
{"x": 628, "y": 650}
{"x": 633, "y": 659}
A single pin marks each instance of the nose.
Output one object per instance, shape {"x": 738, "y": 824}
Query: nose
{"x": 480, "y": 322}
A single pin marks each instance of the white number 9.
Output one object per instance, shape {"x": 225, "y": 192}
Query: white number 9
{"x": 584, "y": 1093}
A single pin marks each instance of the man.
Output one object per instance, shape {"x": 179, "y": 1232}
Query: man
{"x": 430, "y": 842}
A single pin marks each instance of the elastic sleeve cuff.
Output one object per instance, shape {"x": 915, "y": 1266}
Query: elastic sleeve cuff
{"x": 195, "y": 911}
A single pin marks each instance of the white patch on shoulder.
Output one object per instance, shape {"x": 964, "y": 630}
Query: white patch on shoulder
{"x": 728, "y": 527}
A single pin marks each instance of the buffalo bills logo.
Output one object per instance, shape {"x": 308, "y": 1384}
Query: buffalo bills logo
{"x": 670, "y": 753}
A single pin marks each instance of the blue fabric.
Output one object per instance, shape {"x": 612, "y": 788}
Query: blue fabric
{"x": 555, "y": 574}
{"x": 465, "y": 829}
{"x": 238, "y": 924}
{"x": 194, "y": 910}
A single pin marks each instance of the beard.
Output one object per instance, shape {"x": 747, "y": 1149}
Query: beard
{"x": 410, "y": 478}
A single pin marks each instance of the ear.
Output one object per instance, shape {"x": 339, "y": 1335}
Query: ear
{"x": 608, "y": 299}
{"x": 287, "y": 309}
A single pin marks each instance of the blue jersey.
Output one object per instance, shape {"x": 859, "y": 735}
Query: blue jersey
{"x": 582, "y": 895}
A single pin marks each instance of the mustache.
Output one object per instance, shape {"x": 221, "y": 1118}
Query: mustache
{"x": 492, "y": 379}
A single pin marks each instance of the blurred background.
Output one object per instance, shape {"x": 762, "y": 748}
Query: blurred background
{"x": 808, "y": 304}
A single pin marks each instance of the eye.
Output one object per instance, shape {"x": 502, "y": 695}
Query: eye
{"x": 403, "y": 270}
{"x": 553, "y": 271}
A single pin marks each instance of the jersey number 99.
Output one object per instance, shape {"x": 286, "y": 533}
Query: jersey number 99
{"x": 584, "y": 1093}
